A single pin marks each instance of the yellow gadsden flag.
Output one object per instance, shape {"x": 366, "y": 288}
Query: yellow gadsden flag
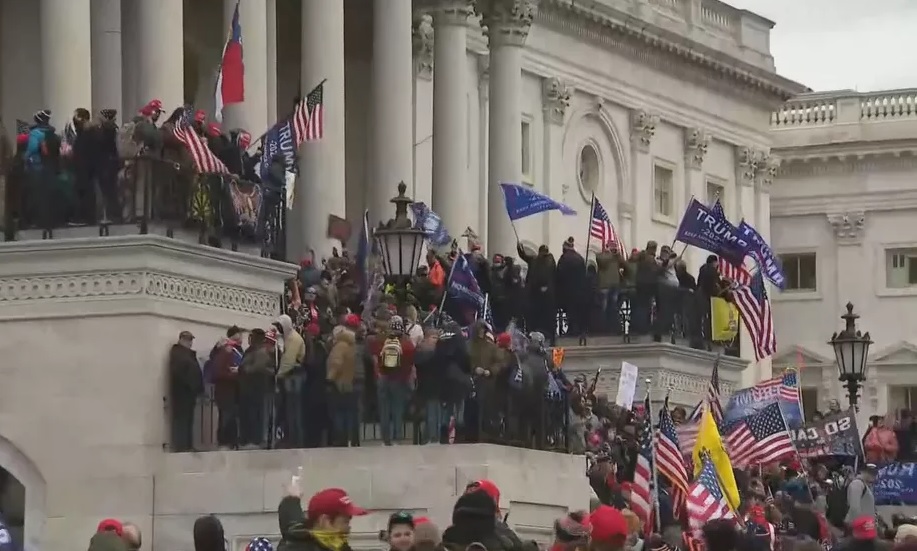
{"x": 724, "y": 320}
{"x": 709, "y": 442}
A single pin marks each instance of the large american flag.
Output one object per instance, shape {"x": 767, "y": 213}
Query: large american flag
{"x": 309, "y": 116}
{"x": 761, "y": 438}
{"x": 735, "y": 274}
{"x": 203, "y": 158}
{"x": 670, "y": 461}
{"x": 601, "y": 228}
{"x": 706, "y": 500}
{"x": 641, "y": 501}
{"x": 755, "y": 310}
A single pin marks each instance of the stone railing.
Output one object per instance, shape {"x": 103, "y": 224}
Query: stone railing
{"x": 846, "y": 106}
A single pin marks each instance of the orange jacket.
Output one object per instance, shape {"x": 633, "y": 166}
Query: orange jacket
{"x": 437, "y": 275}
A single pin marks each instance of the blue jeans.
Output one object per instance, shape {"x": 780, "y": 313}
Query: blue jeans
{"x": 393, "y": 401}
{"x": 435, "y": 418}
{"x": 345, "y": 417}
{"x": 611, "y": 308}
{"x": 293, "y": 409}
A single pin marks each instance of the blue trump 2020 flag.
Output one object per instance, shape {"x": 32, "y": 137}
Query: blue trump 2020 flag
{"x": 767, "y": 260}
{"x": 431, "y": 223}
{"x": 279, "y": 139}
{"x": 703, "y": 228}
{"x": 463, "y": 285}
{"x": 522, "y": 201}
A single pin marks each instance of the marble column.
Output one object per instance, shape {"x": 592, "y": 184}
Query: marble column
{"x": 320, "y": 188}
{"x": 642, "y": 129}
{"x": 555, "y": 98}
{"x": 106, "y": 55}
{"x": 161, "y": 55}
{"x": 130, "y": 52}
{"x": 66, "y": 57}
{"x": 508, "y": 23}
{"x": 271, "y": 62}
{"x": 696, "y": 143}
{"x": 250, "y": 114}
{"x": 392, "y": 105}
{"x": 452, "y": 191}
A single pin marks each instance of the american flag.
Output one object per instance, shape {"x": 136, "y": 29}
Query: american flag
{"x": 755, "y": 310}
{"x": 259, "y": 544}
{"x": 736, "y": 274}
{"x": 205, "y": 162}
{"x": 706, "y": 500}
{"x": 670, "y": 461}
{"x": 309, "y": 116}
{"x": 761, "y": 438}
{"x": 641, "y": 502}
{"x": 601, "y": 228}
{"x": 785, "y": 387}
{"x": 713, "y": 393}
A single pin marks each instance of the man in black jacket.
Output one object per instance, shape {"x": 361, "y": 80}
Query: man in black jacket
{"x": 186, "y": 383}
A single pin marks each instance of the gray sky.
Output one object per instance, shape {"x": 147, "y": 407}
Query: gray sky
{"x": 866, "y": 45}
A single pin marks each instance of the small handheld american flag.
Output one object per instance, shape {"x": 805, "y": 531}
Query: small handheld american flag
{"x": 205, "y": 162}
{"x": 601, "y": 228}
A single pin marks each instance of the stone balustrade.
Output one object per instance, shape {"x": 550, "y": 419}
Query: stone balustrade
{"x": 846, "y": 106}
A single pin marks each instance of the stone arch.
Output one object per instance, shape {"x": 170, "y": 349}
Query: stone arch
{"x": 26, "y": 473}
{"x": 605, "y": 138}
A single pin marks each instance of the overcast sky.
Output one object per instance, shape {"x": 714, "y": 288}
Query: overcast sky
{"x": 866, "y": 45}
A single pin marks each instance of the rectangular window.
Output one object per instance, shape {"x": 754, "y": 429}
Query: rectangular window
{"x": 900, "y": 268}
{"x": 527, "y": 151}
{"x": 902, "y": 397}
{"x": 809, "y": 401}
{"x": 663, "y": 190}
{"x": 800, "y": 270}
{"x": 714, "y": 192}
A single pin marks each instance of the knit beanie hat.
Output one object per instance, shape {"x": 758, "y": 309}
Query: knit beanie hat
{"x": 574, "y": 528}
{"x": 474, "y": 504}
{"x": 426, "y": 532}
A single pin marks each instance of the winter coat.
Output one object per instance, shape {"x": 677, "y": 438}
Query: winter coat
{"x": 107, "y": 541}
{"x": 541, "y": 272}
{"x": 228, "y": 354}
{"x": 570, "y": 277}
{"x": 453, "y": 365}
{"x": 294, "y": 348}
{"x": 185, "y": 377}
{"x": 295, "y": 536}
{"x": 342, "y": 360}
{"x": 609, "y": 266}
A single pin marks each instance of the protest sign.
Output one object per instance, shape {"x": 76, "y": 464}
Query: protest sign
{"x": 834, "y": 435}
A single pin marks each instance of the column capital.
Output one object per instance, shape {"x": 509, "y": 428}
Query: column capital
{"x": 555, "y": 96}
{"x": 642, "y": 129}
{"x": 483, "y": 62}
{"x": 767, "y": 167}
{"x": 449, "y": 12}
{"x": 696, "y": 143}
{"x": 422, "y": 35}
{"x": 747, "y": 160}
{"x": 507, "y": 21}
{"x": 848, "y": 226}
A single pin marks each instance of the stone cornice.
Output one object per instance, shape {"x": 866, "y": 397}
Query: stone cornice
{"x": 801, "y": 165}
{"x": 667, "y": 51}
{"x": 874, "y": 201}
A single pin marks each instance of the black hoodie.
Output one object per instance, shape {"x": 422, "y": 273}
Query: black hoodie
{"x": 474, "y": 520}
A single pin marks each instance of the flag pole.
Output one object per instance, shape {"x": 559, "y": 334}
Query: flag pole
{"x": 793, "y": 442}
{"x": 442, "y": 302}
{"x": 589, "y": 231}
{"x": 654, "y": 466}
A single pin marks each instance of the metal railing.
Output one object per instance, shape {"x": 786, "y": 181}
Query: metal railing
{"x": 148, "y": 193}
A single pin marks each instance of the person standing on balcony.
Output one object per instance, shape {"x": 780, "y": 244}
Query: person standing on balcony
{"x": 186, "y": 383}
{"x": 570, "y": 282}
{"x": 541, "y": 314}
{"x": 291, "y": 379}
{"x": 647, "y": 281}
{"x": 611, "y": 268}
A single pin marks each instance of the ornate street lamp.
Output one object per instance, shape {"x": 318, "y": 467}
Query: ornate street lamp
{"x": 850, "y": 350}
{"x": 399, "y": 242}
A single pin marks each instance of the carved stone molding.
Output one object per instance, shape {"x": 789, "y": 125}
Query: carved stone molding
{"x": 483, "y": 61}
{"x": 507, "y": 21}
{"x": 137, "y": 284}
{"x": 449, "y": 12}
{"x": 767, "y": 167}
{"x": 555, "y": 98}
{"x": 696, "y": 143}
{"x": 848, "y": 226}
{"x": 422, "y": 39}
{"x": 747, "y": 159}
{"x": 642, "y": 129}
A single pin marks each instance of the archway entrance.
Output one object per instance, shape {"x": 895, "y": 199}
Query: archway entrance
{"x": 12, "y": 509}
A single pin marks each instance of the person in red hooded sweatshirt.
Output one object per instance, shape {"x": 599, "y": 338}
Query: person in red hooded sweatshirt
{"x": 226, "y": 357}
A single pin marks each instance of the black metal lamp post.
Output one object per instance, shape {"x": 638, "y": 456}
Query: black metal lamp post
{"x": 851, "y": 348}
{"x": 399, "y": 242}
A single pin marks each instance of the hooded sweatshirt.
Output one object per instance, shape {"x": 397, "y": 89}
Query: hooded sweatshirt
{"x": 294, "y": 348}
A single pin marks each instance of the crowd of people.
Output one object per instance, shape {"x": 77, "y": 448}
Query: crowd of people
{"x": 98, "y": 172}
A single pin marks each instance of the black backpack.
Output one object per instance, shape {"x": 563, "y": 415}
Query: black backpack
{"x": 837, "y": 505}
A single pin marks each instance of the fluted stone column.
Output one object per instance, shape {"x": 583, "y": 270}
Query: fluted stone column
{"x": 106, "y": 55}
{"x": 320, "y": 189}
{"x": 251, "y": 114}
{"x": 66, "y": 55}
{"x": 392, "y": 105}
{"x": 696, "y": 143}
{"x": 161, "y": 55}
{"x": 453, "y": 193}
{"x": 271, "y": 62}
{"x": 508, "y": 23}
{"x": 130, "y": 64}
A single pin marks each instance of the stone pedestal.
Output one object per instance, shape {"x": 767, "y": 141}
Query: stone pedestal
{"x": 88, "y": 324}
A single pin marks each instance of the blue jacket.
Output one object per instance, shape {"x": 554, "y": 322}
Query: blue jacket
{"x": 37, "y": 137}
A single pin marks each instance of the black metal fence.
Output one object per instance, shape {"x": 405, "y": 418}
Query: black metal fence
{"x": 146, "y": 195}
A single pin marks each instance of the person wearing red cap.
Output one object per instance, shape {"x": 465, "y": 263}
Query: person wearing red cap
{"x": 609, "y": 529}
{"x": 325, "y": 525}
